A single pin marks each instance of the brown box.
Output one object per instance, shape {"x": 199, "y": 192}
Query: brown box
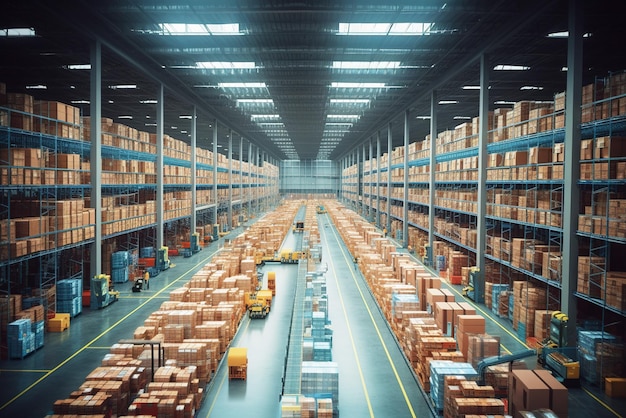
{"x": 558, "y": 392}
{"x": 28, "y": 227}
{"x": 539, "y": 155}
{"x": 527, "y": 392}
{"x": 615, "y": 387}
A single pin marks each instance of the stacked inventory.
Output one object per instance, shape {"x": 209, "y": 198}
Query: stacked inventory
{"x": 100, "y": 296}
{"x": 69, "y": 296}
{"x": 321, "y": 380}
{"x": 21, "y": 338}
{"x": 120, "y": 261}
{"x": 601, "y": 355}
{"x": 439, "y": 369}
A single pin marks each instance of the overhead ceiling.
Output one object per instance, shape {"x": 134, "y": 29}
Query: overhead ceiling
{"x": 301, "y": 63}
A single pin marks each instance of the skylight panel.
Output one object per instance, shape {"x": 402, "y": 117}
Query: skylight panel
{"x": 503, "y": 67}
{"x": 195, "y": 29}
{"x": 78, "y": 67}
{"x": 350, "y": 101}
{"x": 380, "y": 28}
{"x": 226, "y": 65}
{"x": 565, "y": 34}
{"x": 255, "y": 101}
{"x": 17, "y": 32}
{"x": 343, "y": 116}
{"x": 366, "y": 65}
{"x": 261, "y": 116}
{"x": 242, "y": 85}
{"x": 347, "y": 85}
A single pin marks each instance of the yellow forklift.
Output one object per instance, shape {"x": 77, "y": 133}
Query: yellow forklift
{"x": 553, "y": 353}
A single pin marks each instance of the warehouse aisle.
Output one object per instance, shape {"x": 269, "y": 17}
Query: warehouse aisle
{"x": 31, "y": 386}
{"x": 266, "y": 341}
{"x": 374, "y": 378}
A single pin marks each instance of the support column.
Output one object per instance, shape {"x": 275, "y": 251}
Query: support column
{"x": 194, "y": 170}
{"x": 389, "y": 182}
{"x": 378, "y": 167}
{"x": 481, "y": 228}
{"x": 249, "y": 194}
{"x": 431, "y": 174}
{"x": 371, "y": 181}
{"x": 229, "y": 217}
{"x": 241, "y": 193}
{"x": 571, "y": 165}
{"x": 95, "y": 110}
{"x": 364, "y": 209}
{"x": 216, "y": 203}
{"x": 159, "y": 169}
{"x": 405, "y": 198}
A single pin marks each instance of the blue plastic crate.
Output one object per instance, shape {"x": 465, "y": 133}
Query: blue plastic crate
{"x": 19, "y": 329}
{"x": 119, "y": 275}
{"x": 120, "y": 259}
{"x": 68, "y": 289}
{"x": 72, "y": 307}
{"x": 146, "y": 252}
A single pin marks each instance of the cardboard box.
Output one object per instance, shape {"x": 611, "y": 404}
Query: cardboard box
{"x": 558, "y": 393}
{"x": 539, "y": 155}
{"x": 615, "y": 387}
{"x": 527, "y": 392}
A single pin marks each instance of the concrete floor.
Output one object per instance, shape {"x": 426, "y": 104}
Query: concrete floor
{"x": 374, "y": 377}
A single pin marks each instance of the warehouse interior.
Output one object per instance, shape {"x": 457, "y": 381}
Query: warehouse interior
{"x": 480, "y": 140}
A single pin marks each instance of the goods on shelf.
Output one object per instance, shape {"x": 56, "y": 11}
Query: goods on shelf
{"x": 601, "y": 355}
{"x": 69, "y": 296}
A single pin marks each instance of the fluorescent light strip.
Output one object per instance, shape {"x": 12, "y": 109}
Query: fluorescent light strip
{"x": 80, "y": 102}
{"x": 462, "y": 118}
{"x": 531, "y": 88}
{"x": 447, "y": 102}
{"x": 149, "y": 101}
{"x": 125, "y": 117}
{"x": 37, "y": 87}
{"x": 185, "y": 117}
{"x": 565, "y": 34}
{"x": 504, "y": 102}
{"x": 268, "y": 116}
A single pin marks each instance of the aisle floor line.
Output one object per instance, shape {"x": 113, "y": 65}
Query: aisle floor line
{"x": 380, "y": 337}
{"x": 354, "y": 349}
{"x": 103, "y": 333}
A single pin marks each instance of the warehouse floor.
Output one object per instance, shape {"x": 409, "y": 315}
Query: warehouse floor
{"x": 374, "y": 377}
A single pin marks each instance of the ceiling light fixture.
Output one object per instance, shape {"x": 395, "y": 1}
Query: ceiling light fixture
{"x": 185, "y": 117}
{"x": 447, "y": 102}
{"x": 349, "y": 101}
{"x": 37, "y": 87}
{"x": 125, "y": 117}
{"x": 80, "y": 102}
{"x": 149, "y": 101}
{"x": 531, "y": 88}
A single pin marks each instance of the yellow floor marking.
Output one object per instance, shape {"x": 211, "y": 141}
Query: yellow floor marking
{"x": 23, "y": 371}
{"x": 603, "y": 404}
{"x": 83, "y": 348}
{"x": 354, "y": 350}
{"x": 380, "y": 337}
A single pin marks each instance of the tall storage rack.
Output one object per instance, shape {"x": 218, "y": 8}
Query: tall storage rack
{"x": 524, "y": 208}
{"x": 46, "y": 222}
